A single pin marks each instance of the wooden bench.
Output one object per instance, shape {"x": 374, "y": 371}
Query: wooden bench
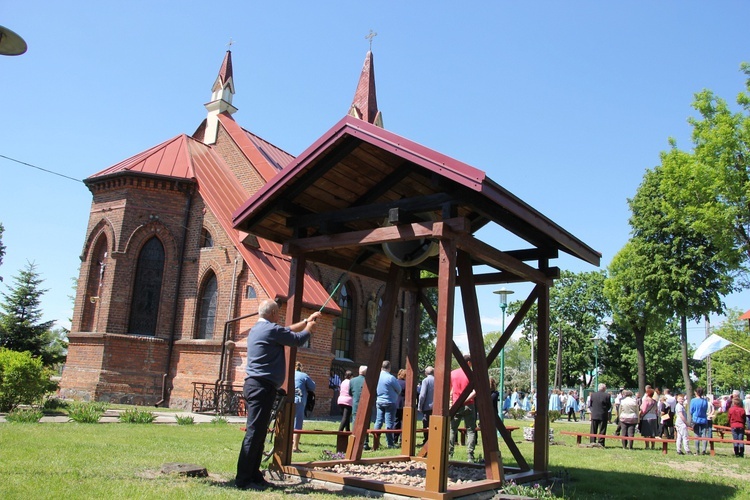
{"x": 722, "y": 429}
{"x": 664, "y": 442}
{"x": 712, "y": 441}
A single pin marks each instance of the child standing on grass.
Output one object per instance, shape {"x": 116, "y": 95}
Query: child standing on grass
{"x": 680, "y": 426}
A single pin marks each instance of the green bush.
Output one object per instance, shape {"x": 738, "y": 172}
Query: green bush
{"x": 24, "y": 416}
{"x": 184, "y": 419}
{"x": 136, "y": 416}
{"x": 721, "y": 419}
{"x": 553, "y": 415}
{"x": 53, "y": 403}
{"x": 517, "y": 413}
{"x": 23, "y": 380}
{"x": 219, "y": 420}
{"x": 86, "y": 413}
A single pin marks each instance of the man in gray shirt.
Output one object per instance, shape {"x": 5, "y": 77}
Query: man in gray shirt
{"x": 266, "y": 370}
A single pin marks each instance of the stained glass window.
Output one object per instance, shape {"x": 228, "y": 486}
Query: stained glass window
{"x": 144, "y": 305}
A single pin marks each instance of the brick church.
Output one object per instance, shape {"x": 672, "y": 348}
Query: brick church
{"x": 168, "y": 289}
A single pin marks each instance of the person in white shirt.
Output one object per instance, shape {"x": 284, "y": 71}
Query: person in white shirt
{"x": 681, "y": 428}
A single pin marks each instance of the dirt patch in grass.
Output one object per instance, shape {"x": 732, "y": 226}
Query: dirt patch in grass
{"x": 706, "y": 466}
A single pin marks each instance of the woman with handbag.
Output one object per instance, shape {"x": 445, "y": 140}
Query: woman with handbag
{"x": 649, "y": 419}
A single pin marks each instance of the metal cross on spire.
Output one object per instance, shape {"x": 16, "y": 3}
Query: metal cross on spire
{"x": 231, "y": 42}
{"x": 370, "y": 36}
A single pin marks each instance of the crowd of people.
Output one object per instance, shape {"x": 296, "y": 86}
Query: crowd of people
{"x": 659, "y": 414}
{"x": 652, "y": 413}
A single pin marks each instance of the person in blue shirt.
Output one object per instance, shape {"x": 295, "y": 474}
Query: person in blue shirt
{"x": 699, "y": 414}
{"x": 387, "y": 400}
{"x": 426, "y": 395}
{"x": 303, "y": 384}
{"x": 265, "y": 372}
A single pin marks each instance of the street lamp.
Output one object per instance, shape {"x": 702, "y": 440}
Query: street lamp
{"x": 503, "y": 293}
{"x": 596, "y": 361}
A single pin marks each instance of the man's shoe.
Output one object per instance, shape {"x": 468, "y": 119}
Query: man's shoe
{"x": 680, "y": 453}
{"x": 255, "y": 486}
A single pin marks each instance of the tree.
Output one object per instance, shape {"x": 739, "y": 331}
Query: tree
{"x": 687, "y": 268}
{"x": 577, "y": 309}
{"x": 729, "y": 367}
{"x": 21, "y": 325}
{"x": 632, "y": 305}
{"x": 2, "y": 247}
{"x": 662, "y": 356}
{"x": 721, "y": 141}
{"x": 517, "y": 361}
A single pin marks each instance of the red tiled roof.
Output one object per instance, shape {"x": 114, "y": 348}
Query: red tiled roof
{"x": 170, "y": 159}
{"x": 746, "y": 315}
{"x": 222, "y": 193}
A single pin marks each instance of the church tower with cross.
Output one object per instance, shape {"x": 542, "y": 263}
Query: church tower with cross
{"x": 168, "y": 288}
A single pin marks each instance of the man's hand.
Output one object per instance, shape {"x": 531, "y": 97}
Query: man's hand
{"x": 313, "y": 317}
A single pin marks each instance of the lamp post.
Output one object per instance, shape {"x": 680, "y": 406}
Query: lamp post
{"x": 503, "y": 293}
{"x": 596, "y": 362}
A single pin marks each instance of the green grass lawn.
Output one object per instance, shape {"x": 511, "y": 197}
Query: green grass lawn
{"x": 122, "y": 461}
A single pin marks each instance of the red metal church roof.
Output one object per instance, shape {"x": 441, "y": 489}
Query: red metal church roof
{"x": 170, "y": 158}
{"x": 187, "y": 158}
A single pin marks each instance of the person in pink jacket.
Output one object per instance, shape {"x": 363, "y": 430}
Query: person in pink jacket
{"x": 345, "y": 402}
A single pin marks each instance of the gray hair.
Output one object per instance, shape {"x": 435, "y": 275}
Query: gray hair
{"x": 267, "y": 308}
{"x": 363, "y": 369}
{"x": 387, "y": 365}
{"x": 429, "y": 370}
{"x": 602, "y": 387}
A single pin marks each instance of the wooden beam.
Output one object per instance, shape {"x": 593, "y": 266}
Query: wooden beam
{"x": 282, "y": 454}
{"x": 491, "y": 256}
{"x": 541, "y": 439}
{"x": 408, "y": 420}
{"x": 517, "y": 318}
{"x": 492, "y": 460}
{"x": 375, "y": 211}
{"x": 377, "y": 355}
{"x": 340, "y": 151}
{"x": 436, "y": 479}
{"x": 403, "y": 232}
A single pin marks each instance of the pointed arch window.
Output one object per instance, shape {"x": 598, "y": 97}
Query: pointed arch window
{"x": 207, "y": 301}
{"x": 97, "y": 266}
{"x": 144, "y": 306}
{"x": 207, "y": 241}
{"x": 344, "y": 325}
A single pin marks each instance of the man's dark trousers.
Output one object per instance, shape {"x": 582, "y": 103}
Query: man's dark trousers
{"x": 259, "y": 397}
{"x": 598, "y": 427}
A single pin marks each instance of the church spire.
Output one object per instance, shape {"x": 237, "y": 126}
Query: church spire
{"x": 221, "y": 99}
{"x": 365, "y": 103}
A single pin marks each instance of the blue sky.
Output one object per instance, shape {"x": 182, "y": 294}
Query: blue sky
{"x": 563, "y": 103}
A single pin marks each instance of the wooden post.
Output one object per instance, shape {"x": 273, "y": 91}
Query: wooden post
{"x": 282, "y": 454}
{"x": 541, "y": 421}
{"x": 492, "y": 459}
{"x": 408, "y": 420}
{"x": 377, "y": 355}
{"x": 436, "y": 479}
